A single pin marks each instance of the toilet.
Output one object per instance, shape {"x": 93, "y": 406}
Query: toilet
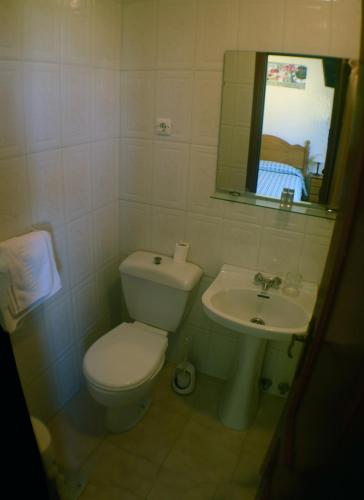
{"x": 122, "y": 366}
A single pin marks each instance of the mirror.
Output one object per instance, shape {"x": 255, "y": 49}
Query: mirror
{"x": 279, "y": 125}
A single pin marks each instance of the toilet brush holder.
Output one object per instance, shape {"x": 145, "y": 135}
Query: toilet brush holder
{"x": 184, "y": 379}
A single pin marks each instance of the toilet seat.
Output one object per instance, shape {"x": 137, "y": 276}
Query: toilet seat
{"x": 125, "y": 357}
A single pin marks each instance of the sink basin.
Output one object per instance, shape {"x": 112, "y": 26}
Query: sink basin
{"x": 234, "y": 301}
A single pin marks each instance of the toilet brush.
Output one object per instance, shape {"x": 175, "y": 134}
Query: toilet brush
{"x": 185, "y": 375}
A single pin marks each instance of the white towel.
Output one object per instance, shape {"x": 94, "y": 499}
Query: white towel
{"x": 28, "y": 275}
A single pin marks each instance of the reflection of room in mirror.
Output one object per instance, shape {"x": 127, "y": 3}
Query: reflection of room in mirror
{"x": 298, "y": 114}
{"x": 292, "y": 100}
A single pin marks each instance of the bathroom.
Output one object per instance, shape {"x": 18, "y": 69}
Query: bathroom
{"x": 82, "y": 84}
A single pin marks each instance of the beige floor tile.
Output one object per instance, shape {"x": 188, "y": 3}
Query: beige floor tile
{"x": 171, "y": 485}
{"x": 77, "y": 430}
{"x": 105, "y": 492}
{"x": 166, "y": 397}
{"x": 112, "y": 466}
{"x": 270, "y": 410}
{"x": 205, "y": 399}
{"x": 206, "y": 450}
{"x": 154, "y": 436}
{"x": 234, "y": 491}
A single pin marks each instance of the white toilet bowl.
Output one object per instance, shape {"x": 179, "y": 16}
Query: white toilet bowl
{"x": 121, "y": 367}
{"x": 121, "y": 370}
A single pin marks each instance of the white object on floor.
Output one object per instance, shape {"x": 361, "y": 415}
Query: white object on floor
{"x": 28, "y": 275}
{"x": 68, "y": 488}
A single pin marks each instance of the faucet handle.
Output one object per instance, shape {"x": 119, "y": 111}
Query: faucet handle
{"x": 276, "y": 282}
{"x": 259, "y": 278}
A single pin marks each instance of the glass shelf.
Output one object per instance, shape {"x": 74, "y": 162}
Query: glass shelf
{"x": 311, "y": 209}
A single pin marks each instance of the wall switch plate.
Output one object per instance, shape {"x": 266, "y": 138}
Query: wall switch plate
{"x": 163, "y": 126}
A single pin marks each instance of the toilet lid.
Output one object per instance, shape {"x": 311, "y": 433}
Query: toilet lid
{"x": 125, "y": 357}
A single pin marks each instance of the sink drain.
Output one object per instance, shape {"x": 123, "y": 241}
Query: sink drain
{"x": 257, "y": 321}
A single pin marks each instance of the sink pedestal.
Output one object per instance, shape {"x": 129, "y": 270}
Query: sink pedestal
{"x": 240, "y": 398}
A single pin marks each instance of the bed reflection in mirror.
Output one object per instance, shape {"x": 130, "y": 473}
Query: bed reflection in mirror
{"x": 280, "y": 123}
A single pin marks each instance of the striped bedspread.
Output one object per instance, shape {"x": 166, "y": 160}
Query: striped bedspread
{"x": 274, "y": 176}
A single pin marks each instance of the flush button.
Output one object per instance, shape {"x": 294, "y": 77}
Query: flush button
{"x": 157, "y": 260}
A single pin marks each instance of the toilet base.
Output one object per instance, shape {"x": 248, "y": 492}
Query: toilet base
{"x": 122, "y": 418}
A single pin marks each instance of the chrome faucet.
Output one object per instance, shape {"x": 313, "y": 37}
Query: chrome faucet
{"x": 267, "y": 283}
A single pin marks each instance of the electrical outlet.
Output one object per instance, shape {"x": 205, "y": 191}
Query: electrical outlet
{"x": 163, "y": 126}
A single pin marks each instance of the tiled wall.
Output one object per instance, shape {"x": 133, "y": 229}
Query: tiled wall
{"x": 60, "y": 63}
{"x": 171, "y": 61}
{"x": 59, "y": 147}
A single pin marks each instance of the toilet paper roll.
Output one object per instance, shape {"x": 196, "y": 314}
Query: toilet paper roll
{"x": 180, "y": 252}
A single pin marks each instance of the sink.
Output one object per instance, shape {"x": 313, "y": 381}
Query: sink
{"x": 235, "y": 302}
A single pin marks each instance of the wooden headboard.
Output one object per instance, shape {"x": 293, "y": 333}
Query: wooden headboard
{"x": 276, "y": 149}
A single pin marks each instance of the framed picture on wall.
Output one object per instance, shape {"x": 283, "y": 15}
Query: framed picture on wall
{"x": 287, "y": 75}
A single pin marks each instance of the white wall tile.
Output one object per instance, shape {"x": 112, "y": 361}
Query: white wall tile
{"x": 46, "y": 181}
{"x": 43, "y": 107}
{"x": 201, "y": 185}
{"x": 68, "y": 373}
{"x": 279, "y": 368}
{"x": 42, "y": 22}
{"x": 11, "y": 29}
{"x": 76, "y": 105}
{"x": 197, "y": 315}
{"x": 106, "y": 33}
{"x": 59, "y": 324}
{"x": 345, "y": 30}
{"x": 135, "y": 222}
{"x": 280, "y": 250}
{"x": 221, "y": 358}
{"x": 85, "y": 308}
{"x": 106, "y": 233}
{"x": 61, "y": 86}
{"x": 170, "y": 170}
{"x": 241, "y": 243}
{"x": 174, "y": 101}
{"x": 217, "y": 31}
{"x": 244, "y": 213}
{"x": 285, "y": 220}
{"x": 15, "y": 212}
{"x": 261, "y": 24}
{"x": 176, "y": 33}
{"x": 12, "y": 130}
{"x": 139, "y": 35}
{"x": 206, "y": 108}
{"x": 136, "y": 170}
{"x": 76, "y": 32}
{"x": 314, "y": 18}
{"x": 80, "y": 250}
{"x": 313, "y": 257}
{"x": 138, "y": 104}
{"x": 104, "y": 166}
{"x": 109, "y": 295}
{"x": 41, "y": 394}
{"x": 32, "y": 346}
{"x": 319, "y": 227}
{"x": 168, "y": 227}
{"x": 200, "y": 346}
{"x": 77, "y": 180}
{"x": 204, "y": 233}
{"x": 106, "y": 104}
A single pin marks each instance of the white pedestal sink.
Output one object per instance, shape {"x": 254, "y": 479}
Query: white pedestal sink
{"x": 234, "y": 301}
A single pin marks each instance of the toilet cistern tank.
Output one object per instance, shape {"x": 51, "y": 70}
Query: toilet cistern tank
{"x": 156, "y": 289}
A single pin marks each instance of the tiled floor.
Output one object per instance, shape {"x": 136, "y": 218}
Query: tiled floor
{"x": 179, "y": 451}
